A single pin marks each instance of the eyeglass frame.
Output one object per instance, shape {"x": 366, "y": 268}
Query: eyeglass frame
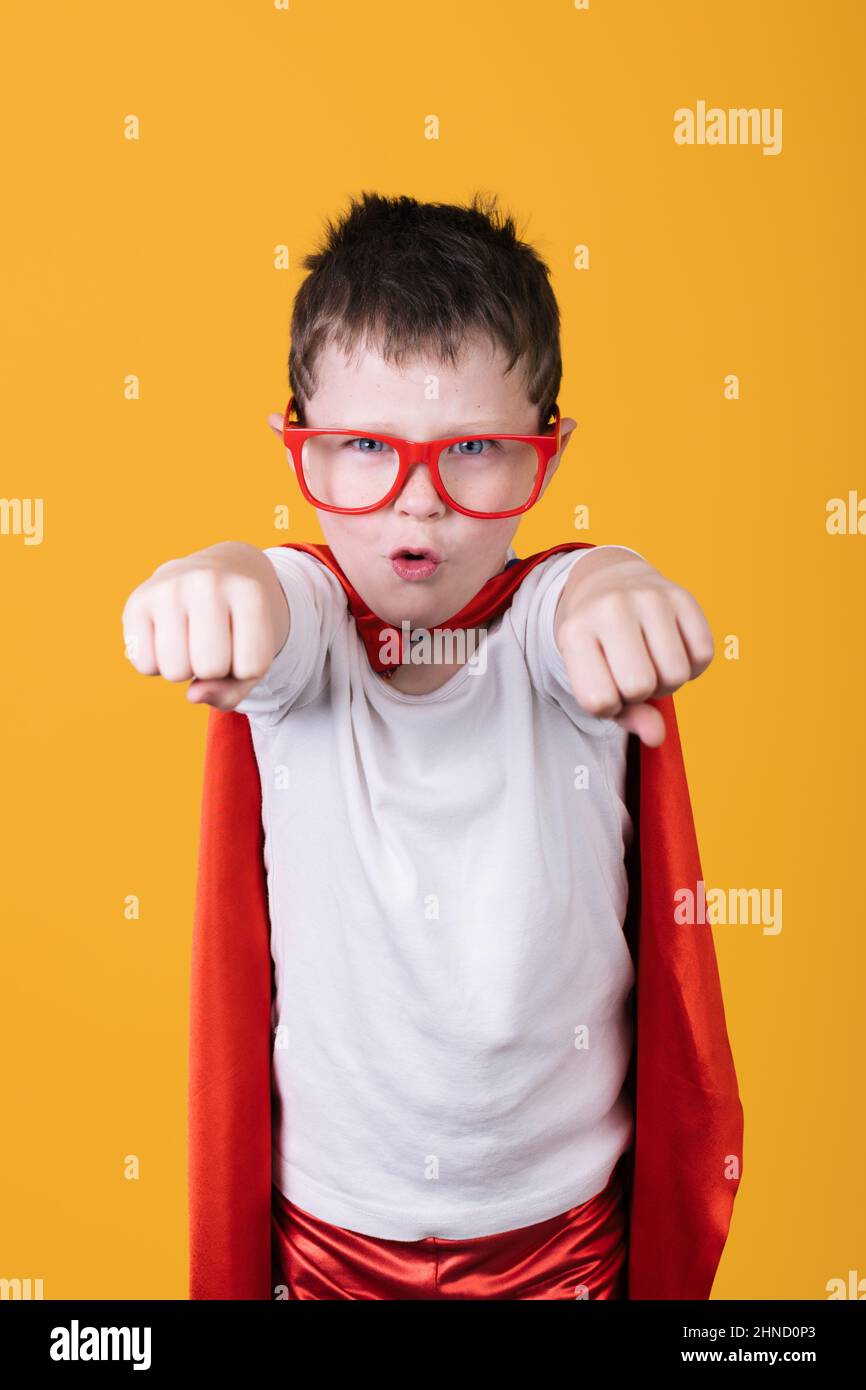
{"x": 295, "y": 436}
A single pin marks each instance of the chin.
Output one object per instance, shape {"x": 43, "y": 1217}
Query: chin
{"x": 415, "y": 608}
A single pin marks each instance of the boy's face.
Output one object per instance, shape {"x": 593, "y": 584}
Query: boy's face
{"x": 476, "y": 397}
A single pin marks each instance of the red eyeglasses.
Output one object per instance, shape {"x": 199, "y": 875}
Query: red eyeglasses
{"x": 352, "y": 471}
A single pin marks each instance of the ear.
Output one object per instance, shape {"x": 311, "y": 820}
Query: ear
{"x": 566, "y": 429}
{"x": 276, "y": 423}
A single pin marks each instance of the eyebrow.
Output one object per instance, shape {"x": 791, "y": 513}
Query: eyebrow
{"x": 486, "y": 427}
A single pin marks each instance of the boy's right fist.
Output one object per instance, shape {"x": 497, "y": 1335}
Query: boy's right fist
{"x": 217, "y": 617}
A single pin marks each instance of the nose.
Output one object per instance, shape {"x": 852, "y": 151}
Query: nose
{"x": 418, "y": 497}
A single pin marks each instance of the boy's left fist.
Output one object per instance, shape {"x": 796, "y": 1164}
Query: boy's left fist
{"x": 628, "y": 635}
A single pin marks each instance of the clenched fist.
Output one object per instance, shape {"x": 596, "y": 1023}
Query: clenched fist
{"x": 217, "y": 617}
{"x": 628, "y": 635}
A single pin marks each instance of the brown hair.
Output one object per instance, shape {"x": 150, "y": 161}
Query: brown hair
{"x": 405, "y": 278}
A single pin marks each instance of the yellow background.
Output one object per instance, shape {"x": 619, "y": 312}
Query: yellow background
{"x": 156, "y": 257}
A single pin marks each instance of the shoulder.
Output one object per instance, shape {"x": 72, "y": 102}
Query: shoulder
{"x": 305, "y": 567}
{"x": 542, "y": 585}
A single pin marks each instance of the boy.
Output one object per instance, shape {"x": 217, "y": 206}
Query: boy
{"x": 451, "y": 1011}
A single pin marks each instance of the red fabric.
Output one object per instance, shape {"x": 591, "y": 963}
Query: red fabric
{"x": 578, "y": 1254}
{"x": 683, "y": 1170}
{"x": 490, "y": 599}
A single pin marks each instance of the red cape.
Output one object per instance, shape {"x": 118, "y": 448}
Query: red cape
{"x": 688, "y": 1120}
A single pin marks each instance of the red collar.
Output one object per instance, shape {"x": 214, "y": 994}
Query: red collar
{"x": 492, "y": 598}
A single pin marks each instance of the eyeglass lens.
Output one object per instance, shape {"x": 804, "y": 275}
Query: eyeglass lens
{"x": 483, "y": 475}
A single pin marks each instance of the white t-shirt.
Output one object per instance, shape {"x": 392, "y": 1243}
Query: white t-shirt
{"x": 447, "y": 893}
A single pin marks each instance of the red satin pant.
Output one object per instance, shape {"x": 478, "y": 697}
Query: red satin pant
{"x": 580, "y": 1254}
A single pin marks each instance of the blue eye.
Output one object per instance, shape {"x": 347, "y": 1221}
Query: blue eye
{"x": 362, "y": 439}
{"x": 475, "y": 445}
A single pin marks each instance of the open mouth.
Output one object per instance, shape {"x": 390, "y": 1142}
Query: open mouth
{"x": 414, "y": 564}
{"x": 424, "y": 553}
